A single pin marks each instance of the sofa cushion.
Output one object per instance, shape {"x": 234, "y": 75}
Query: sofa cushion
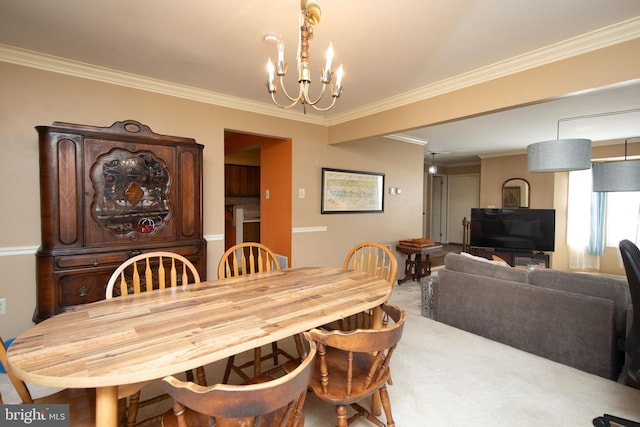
{"x": 483, "y": 267}
{"x": 613, "y": 289}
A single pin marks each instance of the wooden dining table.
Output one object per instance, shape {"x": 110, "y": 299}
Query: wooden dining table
{"x": 138, "y": 338}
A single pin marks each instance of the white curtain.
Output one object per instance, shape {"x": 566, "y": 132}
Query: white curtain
{"x": 579, "y": 221}
{"x": 622, "y": 220}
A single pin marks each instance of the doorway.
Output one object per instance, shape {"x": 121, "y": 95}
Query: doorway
{"x": 270, "y": 197}
{"x": 463, "y": 194}
{"x": 452, "y": 197}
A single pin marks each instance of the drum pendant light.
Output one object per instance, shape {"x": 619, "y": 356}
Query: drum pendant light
{"x": 617, "y": 176}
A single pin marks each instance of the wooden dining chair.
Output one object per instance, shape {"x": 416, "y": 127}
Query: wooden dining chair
{"x": 377, "y": 260}
{"x": 143, "y": 273}
{"x": 82, "y": 402}
{"x": 353, "y": 365}
{"x": 249, "y": 258}
{"x": 278, "y": 402}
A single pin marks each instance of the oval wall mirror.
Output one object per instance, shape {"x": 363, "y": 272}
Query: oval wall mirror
{"x": 515, "y": 193}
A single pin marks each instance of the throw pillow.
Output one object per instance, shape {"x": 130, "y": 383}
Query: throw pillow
{"x": 500, "y": 261}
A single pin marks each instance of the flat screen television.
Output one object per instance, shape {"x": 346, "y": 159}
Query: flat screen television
{"x": 513, "y": 229}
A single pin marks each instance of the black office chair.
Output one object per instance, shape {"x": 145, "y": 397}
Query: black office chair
{"x": 631, "y": 260}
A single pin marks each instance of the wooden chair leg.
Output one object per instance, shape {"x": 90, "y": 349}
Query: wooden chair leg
{"x": 386, "y": 405}
{"x": 200, "y": 374}
{"x": 227, "y": 370}
{"x": 362, "y": 412}
{"x": 299, "y": 346}
{"x": 274, "y": 350}
{"x": 341, "y": 411}
{"x": 132, "y": 410}
{"x": 257, "y": 362}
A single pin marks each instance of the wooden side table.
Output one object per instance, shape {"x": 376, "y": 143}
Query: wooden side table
{"x": 420, "y": 265}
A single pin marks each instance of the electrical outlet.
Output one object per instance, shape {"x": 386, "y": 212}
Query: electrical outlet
{"x": 3, "y": 306}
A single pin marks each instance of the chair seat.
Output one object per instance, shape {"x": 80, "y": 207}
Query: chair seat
{"x": 195, "y": 419}
{"x": 267, "y": 403}
{"x": 354, "y": 365}
{"x": 82, "y": 404}
{"x": 192, "y": 418}
{"x": 362, "y": 363}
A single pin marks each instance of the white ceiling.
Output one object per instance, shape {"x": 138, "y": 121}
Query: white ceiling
{"x": 390, "y": 50}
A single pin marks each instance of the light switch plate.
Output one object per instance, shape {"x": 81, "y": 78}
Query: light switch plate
{"x": 3, "y": 306}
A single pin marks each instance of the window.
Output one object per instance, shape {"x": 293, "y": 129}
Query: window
{"x": 622, "y": 213}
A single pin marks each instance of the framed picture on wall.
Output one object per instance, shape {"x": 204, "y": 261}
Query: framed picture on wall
{"x": 511, "y": 197}
{"x": 348, "y": 191}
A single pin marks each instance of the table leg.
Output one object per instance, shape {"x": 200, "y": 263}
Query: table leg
{"x": 423, "y": 266}
{"x": 375, "y": 397}
{"x": 428, "y": 265}
{"x": 418, "y": 271}
{"x": 107, "y": 406}
{"x": 409, "y": 268}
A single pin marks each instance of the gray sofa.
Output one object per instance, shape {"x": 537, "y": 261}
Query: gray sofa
{"x": 577, "y": 319}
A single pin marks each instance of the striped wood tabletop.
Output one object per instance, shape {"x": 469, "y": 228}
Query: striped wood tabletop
{"x": 142, "y": 337}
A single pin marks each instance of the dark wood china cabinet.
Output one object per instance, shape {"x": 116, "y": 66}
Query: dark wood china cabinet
{"x": 107, "y": 194}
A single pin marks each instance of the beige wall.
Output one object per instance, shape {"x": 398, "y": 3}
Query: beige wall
{"x": 33, "y": 97}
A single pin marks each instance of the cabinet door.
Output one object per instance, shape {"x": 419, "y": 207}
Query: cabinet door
{"x": 242, "y": 181}
{"x": 130, "y": 192}
{"x": 60, "y": 190}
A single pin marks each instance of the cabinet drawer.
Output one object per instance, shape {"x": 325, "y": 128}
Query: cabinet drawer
{"x": 185, "y": 251}
{"x": 82, "y": 288}
{"x": 92, "y": 260}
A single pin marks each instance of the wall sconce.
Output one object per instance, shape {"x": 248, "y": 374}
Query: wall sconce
{"x": 617, "y": 176}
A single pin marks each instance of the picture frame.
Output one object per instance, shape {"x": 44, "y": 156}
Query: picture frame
{"x": 511, "y": 197}
{"x": 350, "y": 191}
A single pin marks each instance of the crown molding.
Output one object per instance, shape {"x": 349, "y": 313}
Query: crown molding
{"x": 598, "y": 39}
{"x": 83, "y": 70}
{"x": 604, "y": 37}
{"x": 406, "y": 138}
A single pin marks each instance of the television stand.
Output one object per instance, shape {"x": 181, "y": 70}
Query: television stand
{"x": 516, "y": 259}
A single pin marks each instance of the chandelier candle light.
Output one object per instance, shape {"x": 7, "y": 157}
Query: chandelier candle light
{"x": 310, "y": 16}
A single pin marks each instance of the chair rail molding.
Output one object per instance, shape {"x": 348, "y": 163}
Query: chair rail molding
{"x": 309, "y": 229}
{"x": 18, "y": 250}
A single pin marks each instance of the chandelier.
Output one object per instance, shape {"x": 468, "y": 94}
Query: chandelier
{"x": 309, "y": 16}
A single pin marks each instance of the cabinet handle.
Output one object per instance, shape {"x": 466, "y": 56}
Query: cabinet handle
{"x": 95, "y": 261}
{"x": 83, "y": 291}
